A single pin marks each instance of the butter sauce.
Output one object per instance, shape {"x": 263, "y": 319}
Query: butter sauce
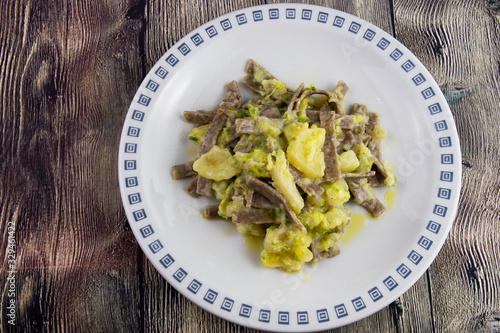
{"x": 359, "y": 220}
{"x": 355, "y": 226}
{"x": 390, "y": 198}
{"x": 254, "y": 244}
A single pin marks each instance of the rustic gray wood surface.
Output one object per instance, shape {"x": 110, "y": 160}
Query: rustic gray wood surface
{"x": 68, "y": 71}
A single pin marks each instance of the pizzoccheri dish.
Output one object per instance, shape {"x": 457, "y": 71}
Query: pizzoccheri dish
{"x": 284, "y": 164}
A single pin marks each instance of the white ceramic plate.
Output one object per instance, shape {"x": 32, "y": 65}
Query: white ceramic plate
{"x": 208, "y": 261}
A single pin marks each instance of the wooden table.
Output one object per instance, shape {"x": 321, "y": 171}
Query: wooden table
{"x": 69, "y": 70}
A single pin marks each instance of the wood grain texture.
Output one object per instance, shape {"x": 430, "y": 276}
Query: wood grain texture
{"x": 68, "y": 71}
{"x": 458, "y": 42}
{"x": 65, "y": 85}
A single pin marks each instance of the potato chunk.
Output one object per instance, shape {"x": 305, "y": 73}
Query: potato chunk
{"x": 305, "y": 150}
{"x": 286, "y": 248}
{"x": 283, "y": 181}
{"x": 337, "y": 193}
{"x": 198, "y": 133}
{"x": 348, "y": 161}
{"x": 293, "y": 129}
{"x": 365, "y": 158}
{"x": 216, "y": 164}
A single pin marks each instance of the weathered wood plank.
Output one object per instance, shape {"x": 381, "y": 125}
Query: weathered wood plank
{"x": 65, "y": 85}
{"x": 459, "y": 44}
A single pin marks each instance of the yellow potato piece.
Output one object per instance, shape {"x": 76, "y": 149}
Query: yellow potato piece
{"x": 286, "y": 248}
{"x": 283, "y": 181}
{"x": 305, "y": 152}
{"x": 337, "y": 193}
{"x": 216, "y": 164}
{"x": 348, "y": 161}
{"x": 198, "y": 133}
{"x": 293, "y": 129}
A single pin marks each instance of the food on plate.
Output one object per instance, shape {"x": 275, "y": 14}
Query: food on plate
{"x": 284, "y": 164}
